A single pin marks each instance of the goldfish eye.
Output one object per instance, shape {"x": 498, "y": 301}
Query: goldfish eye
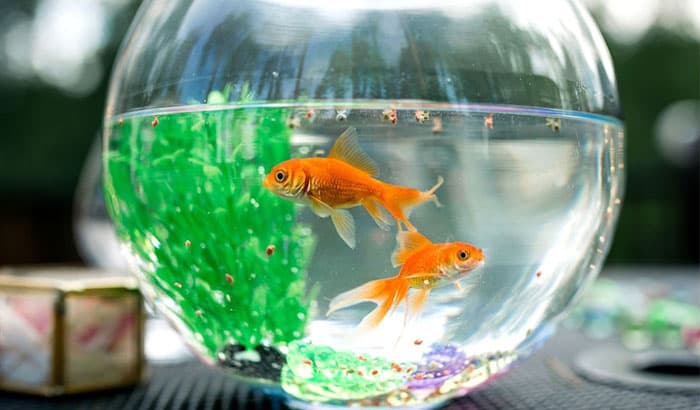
{"x": 463, "y": 255}
{"x": 280, "y": 176}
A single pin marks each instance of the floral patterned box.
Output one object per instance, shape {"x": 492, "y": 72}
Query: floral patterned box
{"x": 69, "y": 330}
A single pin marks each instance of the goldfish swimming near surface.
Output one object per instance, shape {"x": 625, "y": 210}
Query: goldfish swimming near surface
{"x": 345, "y": 179}
{"x": 424, "y": 266}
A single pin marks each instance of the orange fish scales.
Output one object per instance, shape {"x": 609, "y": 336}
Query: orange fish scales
{"x": 345, "y": 179}
{"x": 337, "y": 189}
{"x": 424, "y": 266}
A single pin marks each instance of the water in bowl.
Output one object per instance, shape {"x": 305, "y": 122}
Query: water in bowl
{"x": 248, "y": 276}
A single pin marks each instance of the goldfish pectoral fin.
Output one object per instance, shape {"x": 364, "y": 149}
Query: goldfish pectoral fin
{"x": 468, "y": 288}
{"x": 380, "y": 218}
{"x": 468, "y": 284}
{"x": 345, "y": 225}
{"x": 342, "y": 219}
{"x": 407, "y": 243}
{"x": 319, "y": 207}
{"x": 347, "y": 149}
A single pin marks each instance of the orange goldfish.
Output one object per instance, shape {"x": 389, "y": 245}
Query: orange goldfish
{"x": 345, "y": 179}
{"x": 424, "y": 266}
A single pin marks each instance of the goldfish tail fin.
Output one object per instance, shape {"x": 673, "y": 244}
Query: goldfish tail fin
{"x": 399, "y": 201}
{"x": 430, "y": 194}
{"x": 371, "y": 291}
{"x": 407, "y": 243}
{"x": 383, "y": 292}
{"x": 397, "y": 292}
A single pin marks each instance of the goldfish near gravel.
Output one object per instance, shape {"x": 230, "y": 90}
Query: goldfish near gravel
{"x": 345, "y": 179}
{"x": 424, "y": 266}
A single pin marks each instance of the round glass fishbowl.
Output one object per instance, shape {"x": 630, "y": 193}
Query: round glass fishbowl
{"x": 364, "y": 203}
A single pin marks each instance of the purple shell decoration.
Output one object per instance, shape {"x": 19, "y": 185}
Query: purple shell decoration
{"x": 438, "y": 365}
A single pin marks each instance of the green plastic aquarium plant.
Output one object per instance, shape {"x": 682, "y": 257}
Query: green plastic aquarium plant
{"x": 184, "y": 189}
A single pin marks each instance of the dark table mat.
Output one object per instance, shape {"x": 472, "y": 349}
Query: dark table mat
{"x": 544, "y": 381}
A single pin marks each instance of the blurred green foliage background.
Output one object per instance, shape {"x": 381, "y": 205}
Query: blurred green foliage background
{"x": 55, "y": 59}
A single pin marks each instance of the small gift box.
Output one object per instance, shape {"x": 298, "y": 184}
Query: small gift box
{"x": 69, "y": 330}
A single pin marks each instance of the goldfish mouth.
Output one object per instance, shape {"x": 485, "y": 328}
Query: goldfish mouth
{"x": 277, "y": 190}
{"x": 469, "y": 266}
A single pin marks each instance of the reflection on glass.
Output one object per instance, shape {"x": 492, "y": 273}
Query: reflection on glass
{"x": 94, "y": 232}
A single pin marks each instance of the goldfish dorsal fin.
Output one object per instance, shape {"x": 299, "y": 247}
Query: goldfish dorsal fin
{"x": 347, "y": 149}
{"x": 407, "y": 243}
